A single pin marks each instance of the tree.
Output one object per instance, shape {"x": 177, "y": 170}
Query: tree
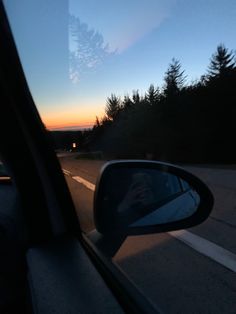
{"x": 113, "y": 106}
{"x": 136, "y": 97}
{"x": 127, "y": 102}
{"x": 174, "y": 79}
{"x": 152, "y": 95}
{"x": 97, "y": 123}
{"x": 222, "y": 62}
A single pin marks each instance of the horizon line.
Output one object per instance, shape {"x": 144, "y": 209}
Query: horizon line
{"x": 70, "y": 128}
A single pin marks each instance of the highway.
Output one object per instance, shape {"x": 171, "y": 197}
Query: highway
{"x": 190, "y": 271}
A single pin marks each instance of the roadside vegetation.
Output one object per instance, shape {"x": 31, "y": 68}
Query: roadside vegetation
{"x": 177, "y": 122}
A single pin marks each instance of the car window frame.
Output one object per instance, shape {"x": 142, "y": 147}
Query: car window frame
{"x": 50, "y": 204}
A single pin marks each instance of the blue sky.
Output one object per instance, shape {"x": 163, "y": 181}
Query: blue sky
{"x": 142, "y": 38}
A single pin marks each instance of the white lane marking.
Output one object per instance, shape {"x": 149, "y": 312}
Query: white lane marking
{"x": 86, "y": 183}
{"x": 201, "y": 245}
{"x": 207, "y": 248}
{"x": 66, "y": 172}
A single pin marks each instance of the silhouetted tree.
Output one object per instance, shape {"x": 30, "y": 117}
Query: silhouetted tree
{"x": 193, "y": 123}
{"x": 136, "y": 97}
{"x": 152, "y": 95}
{"x": 113, "y": 106}
{"x": 174, "y": 79}
{"x": 97, "y": 123}
{"x": 222, "y": 62}
{"x": 127, "y": 102}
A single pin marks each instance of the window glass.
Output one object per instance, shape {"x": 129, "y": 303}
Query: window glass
{"x": 151, "y": 80}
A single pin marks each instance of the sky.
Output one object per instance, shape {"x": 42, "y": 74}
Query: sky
{"x": 76, "y": 53}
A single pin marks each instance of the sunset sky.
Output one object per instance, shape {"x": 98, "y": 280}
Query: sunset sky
{"x": 70, "y": 81}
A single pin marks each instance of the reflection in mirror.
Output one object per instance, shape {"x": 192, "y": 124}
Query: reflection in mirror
{"x": 145, "y": 197}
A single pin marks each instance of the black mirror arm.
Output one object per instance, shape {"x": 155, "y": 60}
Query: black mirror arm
{"x": 108, "y": 244}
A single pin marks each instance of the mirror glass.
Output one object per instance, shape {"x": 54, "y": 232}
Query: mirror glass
{"x": 144, "y": 196}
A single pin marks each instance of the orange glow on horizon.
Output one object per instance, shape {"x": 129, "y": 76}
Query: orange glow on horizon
{"x": 71, "y": 117}
{"x": 69, "y": 122}
{"x": 69, "y": 126}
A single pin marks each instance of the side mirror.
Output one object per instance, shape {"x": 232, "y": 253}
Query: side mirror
{"x": 141, "y": 197}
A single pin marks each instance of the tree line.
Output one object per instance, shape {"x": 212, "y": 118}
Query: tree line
{"x": 179, "y": 122}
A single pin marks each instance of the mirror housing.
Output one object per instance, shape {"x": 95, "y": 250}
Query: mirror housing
{"x": 124, "y": 180}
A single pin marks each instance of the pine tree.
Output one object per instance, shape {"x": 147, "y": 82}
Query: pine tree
{"x": 97, "y": 123}
{"x": 113, "y": 106}
{"x": 174, "y": 79}
{"x": 152, "y": 95}
{"x": 136, "y": 97}
{"x": 222, "y": 62}
{"x": 127, "y": 102}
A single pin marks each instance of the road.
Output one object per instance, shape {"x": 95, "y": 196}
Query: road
{"x": 190, "y": 272}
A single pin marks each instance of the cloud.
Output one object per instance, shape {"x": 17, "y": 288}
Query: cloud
{"x": 111, "y": 27}
{"x": 122, "y": 23}
{"x": 140, "y": 22}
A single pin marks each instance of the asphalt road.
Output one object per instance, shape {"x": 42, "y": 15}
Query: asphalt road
{"x": 177, "y": 275}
